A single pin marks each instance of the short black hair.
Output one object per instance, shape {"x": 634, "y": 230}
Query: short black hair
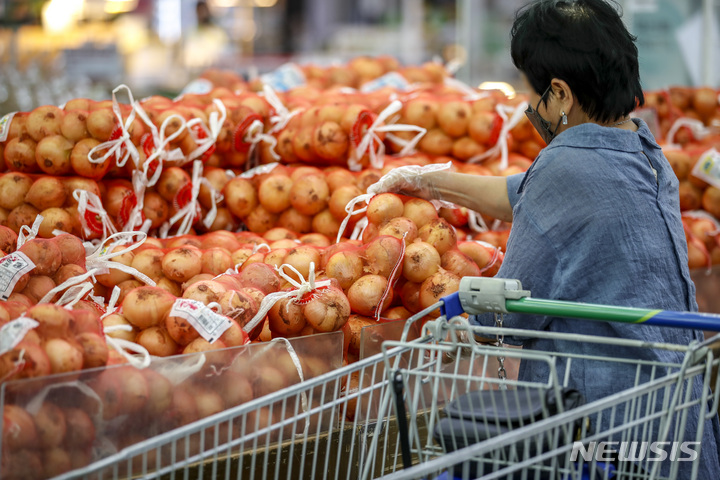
{"x": 584, "y": 43}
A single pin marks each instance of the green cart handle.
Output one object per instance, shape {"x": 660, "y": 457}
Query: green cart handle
{"x": 478, "y": 295}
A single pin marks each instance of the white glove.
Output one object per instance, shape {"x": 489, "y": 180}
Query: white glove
{"x": 409, "y": 180}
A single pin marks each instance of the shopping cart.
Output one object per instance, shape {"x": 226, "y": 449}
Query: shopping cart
{"x": 348, "y": 424}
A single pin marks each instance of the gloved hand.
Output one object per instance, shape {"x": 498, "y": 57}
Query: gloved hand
{"x": 411, "y": 180}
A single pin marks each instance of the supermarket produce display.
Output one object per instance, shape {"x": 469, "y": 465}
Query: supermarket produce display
{"x": 146, "y": 243}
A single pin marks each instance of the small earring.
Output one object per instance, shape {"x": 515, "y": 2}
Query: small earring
{"x": 564, "y": 118}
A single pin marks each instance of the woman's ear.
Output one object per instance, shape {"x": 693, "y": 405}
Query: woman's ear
{"x": 563, "y": 93}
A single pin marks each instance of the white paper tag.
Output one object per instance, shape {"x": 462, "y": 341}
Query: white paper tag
{"x": 708, "y": 167}
{"x": 208, "y": 324}
{"x": 12, "y": 267}
{"x": 391, "y": 79}
{"x": 5, "y": 125}
{"x": 284, "y": 78}
{"x": 13, "y": 332}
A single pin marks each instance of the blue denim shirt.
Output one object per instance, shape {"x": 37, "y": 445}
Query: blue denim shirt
{"x": 593, "y": 224}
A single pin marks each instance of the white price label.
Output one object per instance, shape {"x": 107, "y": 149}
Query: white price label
{"x": 392, "y": 79}
{"x": 12, "y": 267}
{"x": 284, "y": 78}
{"x": 13, "y": 332}
{"x": 708, "y": 167}
{"x": 209, "y": 325}
{"x": 5, "y": 125}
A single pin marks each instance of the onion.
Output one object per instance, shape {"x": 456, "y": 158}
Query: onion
{"x": 274, "y": 193}
{"x": 182, "y": 263}
{"x": 460, "y": 264}
{"x": 410, "y": 296}
{"x": 201, "y": 345}
{"x": 326, "y": 224}
{"x": 126, "y": 286}
{"x": 18, "y": 429}
{"x": 437, "y": 286}
{"x": 206, "y": 291}
{"x": 45, "y": 254}
{"x": 80, "y": 428}
{"x": 440, "y": 234}
{"x": 86, "y": 318}
{"x": 118, "y": 319}
{"x": 260, "y": 220}
{"x": 316, "y": 239}
{"x": 8, "y": 238}
{"x": 46, "y": 192}
{"x": 216, "y": 261}
{"x": 50, "y": 425}
{"x": 384, "y": 207}
{"x": 260, "y": 276}
{"x": 397, "y": 313}
{"x": 420, "y": 211}
{"x": 367, "y": 177}
{"x": 301, "y": 257}
{"x": 108, "y": 388}
{"x": 304, "y": 170}
{"x": 15, "y": 186}
{"x": 309, "y": 194}
{"x": 346, "y": 267}
{"x": 275, "y": 257}
{"x": 295, "y": 221}
{"x": 94, "y": 349}
{"x": 159, "y": 390}
{"x": 67, "y": 272}
{"x": 339, "y": 177}
{"x": 184, "y": 241}
{"x": 157, "y": 341}
{"x": 115, "y": 276}
{"x": 149, "y": 262}
{"x": 71, "y": 249}
{"x": 37, "y": 287}
{"x": 53, "y": 319}
{"x": 328, "y": 311}
{"x": 156, "y": 209}
{"x": 208, "y": 402}
{"x": 240, "y": 197}
{"x": 235, "y": 336}
{"x": 220, "y": 239}
{"x": 279, "y": 233}
{"x": 171, "y": 181}
{"x": 146, "y": 306}
{"x": 420, "y": 261}
{"x": 286, "y": 317}
{"x": 365, "y": 295}
{"x": 400, "y": 227}
{"x": 169, "y": 286}
{"x": 340, "y": 198}
{"x": 64, "y": 356}
{"x": 383, "y": 254}
{"x": 352, "y": 332}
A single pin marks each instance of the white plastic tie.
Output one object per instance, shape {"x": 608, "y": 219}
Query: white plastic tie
{"x": 301, "y": 288}
{"x": 211, "y": 131}
{"x": 501, "y": 146}
{"x": 371, "y": 137}
{"x": 89, "y": 202}
{"x": 697, "y": 128}
{"x": 114, "y": 148}
{"x": 189, "y": 211}
{"x": 28, "y": 233}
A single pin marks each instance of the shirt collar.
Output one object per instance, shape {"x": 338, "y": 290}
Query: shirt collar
{"x": 592, "y": 135}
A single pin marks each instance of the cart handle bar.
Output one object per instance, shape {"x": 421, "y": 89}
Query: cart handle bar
{"x": 483, "y": 294}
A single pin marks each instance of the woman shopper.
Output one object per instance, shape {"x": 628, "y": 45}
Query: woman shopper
{"x": 596, "y": 218}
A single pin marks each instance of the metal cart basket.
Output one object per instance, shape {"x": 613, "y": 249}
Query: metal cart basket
{"x": 347, "y": 424}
